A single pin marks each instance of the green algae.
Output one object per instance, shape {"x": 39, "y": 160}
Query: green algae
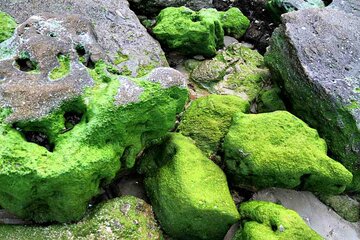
{"x": 269, "y": 221}
{"x": 270, "y": 101}
{"x": 7, "y": 26}
{"x": 63, "y": 69}
{"x": 120, "y": 58}
{"x": 113, "y": 219}
{"x": 198, "y": 33}
{"x": 344, "y": 206}
{"x": 189, "y": 193}
{"x": 279, "y": 150}
{"x": 208, "y": 119}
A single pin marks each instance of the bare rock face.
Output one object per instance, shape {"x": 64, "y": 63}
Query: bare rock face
{"x": 349, "y": 6}
{"x": 315, "y": 56}
{"x": 123, "y": 39}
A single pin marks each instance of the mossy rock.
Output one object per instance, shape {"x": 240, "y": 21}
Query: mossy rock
{"x": 269, "y": 221}
{"x": 198, "y": 33}
{"x": 208, "y": 119}
{"x": 279, "y": 150}
{"x": 121, "y": 218}
{"x": 7, "y": 26}
{"x": 269, "y": 100}
{"x": 189, "y": 193}
{"x": 346, "y": 207}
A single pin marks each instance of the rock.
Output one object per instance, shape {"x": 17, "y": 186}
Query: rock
{"x": 279, "y": 150}
{"x": 314, "y": 55}
{"x": 198, "y": 33}
{"x": 7, "y": 26}
{"x": 316, "y": 214}
{"x": 270, "y": 101}
{"x": 278, "y": 7}
{"x": 237, "y": 70}
{"x": 121, "y": 218}
{"x": 348, "y": 6}
{"x": 119, "y": 32}
{"x": 266, "y": 220}
{"x": 65, "y": 137}
{"x": 346, "y": 207}
{"x": 152, "y": 8}
{"x": 208, "y": 119}
{"x": 189, "y": 193}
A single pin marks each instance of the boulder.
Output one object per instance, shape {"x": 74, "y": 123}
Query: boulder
{"x": 198, "y": 33}
{"x": 314, "y": 55}
{"x": 69, "y": 127}
{"x": 7, "y": 26}
{"x": 126, "y": 217}
{"x": 125, "y": 42}
{"x": 270, "y": 221}
{"x": 189, "y": 193}
{"x": 208, "y": 119}
{"x": 278, "y": 7}
{"x": 348, "y": 6}
{"x": 346, "y": 207}
{"x": 279, "y": 150}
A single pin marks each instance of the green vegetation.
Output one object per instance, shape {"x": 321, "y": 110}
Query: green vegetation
{"x": 63, "y": 69}
{"x": 7, "y": 26}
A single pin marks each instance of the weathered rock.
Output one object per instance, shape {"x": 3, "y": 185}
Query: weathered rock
{"x": 7, "y": 26}
{"x": 237, "y": 70}
{"x": 123, "y": 39}
{"x": 121, "y": 218}
{"x": 348, "y": 6}
{"x": 278, "y": 7}
{"x": 315, "y": 56}
{"x": 346, "y": 207}
{"x": 188, "y": 192}
{"x": 270, "y": 221}
{"x": 279, "y": 150}
{"x": 208, "y": 119}
{"x": 316, "y": 214}
{"x": 198, "y": 33}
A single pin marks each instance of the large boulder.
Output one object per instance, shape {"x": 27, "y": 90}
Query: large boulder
{"x": 124, "y": 41}
{"x": 189, "y": 193}
{"x": 348, "y": 6}
{"x": 315, "y": 56}
{"x": 279, "y": 150}
{"x": 67, "y": 127}
{"x": 127, "y": 218}
{"x": 270, "y": 221}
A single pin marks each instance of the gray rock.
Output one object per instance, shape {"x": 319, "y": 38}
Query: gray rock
{"x": 122, "y": 37}
{"x": 316, "y": 214}
{"x": 349, "y": 6}
{"x": 314, "y": 54}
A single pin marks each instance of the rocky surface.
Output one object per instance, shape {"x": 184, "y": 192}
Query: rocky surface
{"x": 317, "y": 215}
{"x": 348, "y": 6}
{"x": 121, "y": 218}
{"x": 183, "y": 184}
{"x": 120, "y": 34}
{"x": 279, "y": 7}
{"x": 314, "y": 56}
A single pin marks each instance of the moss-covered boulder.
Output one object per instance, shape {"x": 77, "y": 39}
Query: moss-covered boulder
{"x": 278, "y": 7}
{"x": 237, "y": 70}
{"x": 198, "y": 33}
{"x": 208, "y": 119}
{"x": 189, "y": 193}
{"x": 127, "y": 218}
{"x": 270, "y": 221}
{"x": 346, "y": 207}
{"x": 66, "y": 127}
{"x": 269, "y": 100}
{"x": 279, "y": 150}
{"x": 7, "y": 26}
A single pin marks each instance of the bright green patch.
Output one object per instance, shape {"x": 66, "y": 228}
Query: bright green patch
{"x": 7, "y": 26}
{"x": 270, "y": 101}
{"x": 189, "y": 193}
{"x": 270, "y": 221}
{"x": 120, "y": 58}
{"x": 279, "y": 150}
{"x": 63, "y": 69}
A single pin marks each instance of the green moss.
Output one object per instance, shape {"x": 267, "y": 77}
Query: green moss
{"x": 57, "y": 185}
{"x": 114, "y": 219}
{"x": 346, "y": 207}
{"x": 279, "y": 150}
{"x": 63, "y": 69}
{"x": 7, "y": 26}
{"x": 144, "y": 69}
{"x": 198, "y": 33}
{"x": 270, "y": 101}
{"x": 25, "y": 62}
{"x": 188, "y": 192}
{"x": 120, "y": 58}
{"x": 208, "y": 119}
{"x": 269, "y": 221}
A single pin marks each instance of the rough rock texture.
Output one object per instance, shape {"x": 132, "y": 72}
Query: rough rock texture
{"x": 7, "y": 26}
{"x": 278, "y": 7}
{"x": 120, "y": 34}
{"x": 237, "y": 70}
{"x": 63, "y": 138}
{"x": 208, "y": 119}
{"x": 189, "y": 193}
{"x": 153, "y": 7}
{"x": 316, "y": 214}
{"x": 315, "y": 56}
{"x": 121, "y": 218}
{"x": 198, "y": 33}
{"x": 279, "y": 150}
{"x": 348, "y": 6}
{"x": 270, "y": 221}
{"x": 346, "y": 207}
